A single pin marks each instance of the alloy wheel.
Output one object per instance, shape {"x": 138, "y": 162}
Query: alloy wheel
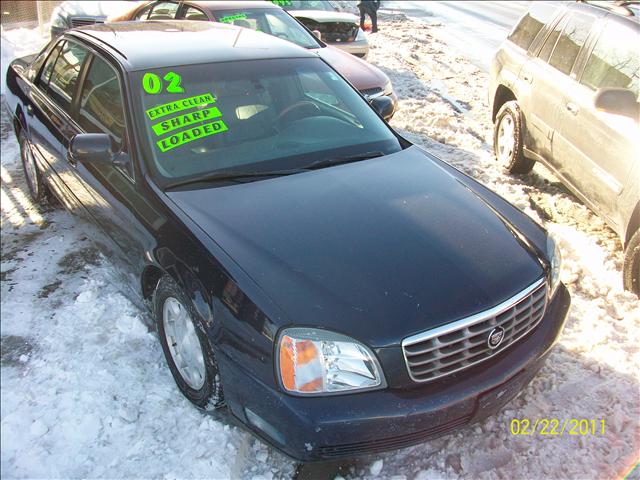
{"x": 506, "y": 139}
{"x": 184, "y": 344}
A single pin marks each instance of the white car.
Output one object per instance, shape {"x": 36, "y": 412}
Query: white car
{"x": 340, "y": 29}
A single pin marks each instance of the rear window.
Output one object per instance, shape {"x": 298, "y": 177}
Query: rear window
{"x": 65, "y": 74}
{"x": 530, "y": 25}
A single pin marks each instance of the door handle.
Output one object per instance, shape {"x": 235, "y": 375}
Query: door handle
{"x": 30, "y": 110}
{"x": 572, "y": 108}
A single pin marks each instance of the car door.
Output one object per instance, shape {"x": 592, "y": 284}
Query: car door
{"x": 551, "y": 83}
{"x": 49, "y": 116}
{"x": 109, "y": 191}
{"x": 604, "y": 145}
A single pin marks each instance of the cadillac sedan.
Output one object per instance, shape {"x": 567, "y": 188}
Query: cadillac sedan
{"x": 339, "y": 290}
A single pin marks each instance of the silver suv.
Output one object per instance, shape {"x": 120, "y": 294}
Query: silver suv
{"x": 564, "y": 91}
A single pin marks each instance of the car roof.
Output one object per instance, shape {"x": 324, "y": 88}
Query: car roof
{"x": 164, "y": 43}
{"x": 232, "y": 5}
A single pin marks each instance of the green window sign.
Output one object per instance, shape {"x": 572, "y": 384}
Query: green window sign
{"x": 187, "y": 136}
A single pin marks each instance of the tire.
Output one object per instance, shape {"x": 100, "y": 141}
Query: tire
{"x": 631, "y": 268}
{"x": 37, "y": 188}
{"x": 202, "y": 385}
{"x": 508, "y": 135}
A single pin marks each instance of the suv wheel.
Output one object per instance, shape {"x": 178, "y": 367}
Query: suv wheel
{"x": 631, "y": 268}
{"x": 507, "y": 139}
{"x": 186, "y": 347}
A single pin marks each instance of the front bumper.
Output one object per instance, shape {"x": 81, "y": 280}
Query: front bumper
{"x": 328, "y": 428}
{"x": 359, "y": 48}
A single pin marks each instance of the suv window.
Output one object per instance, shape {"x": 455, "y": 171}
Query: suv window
{"x": 573, "y": 36}
{"x": 101, "y": 106}
{"x": 43, "y": 81}
{"x": 615, "y": 61}
{"x": 164, "y": 11}
{"x": 65, "y": 74}
{"x": 538, "y": 15}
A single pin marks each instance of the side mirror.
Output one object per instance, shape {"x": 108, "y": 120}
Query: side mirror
{"x": 91, "y": 148}
{"x": 618, "y": 101}
{"x": 317, "y": 34}
{"x": 383, "y": 105}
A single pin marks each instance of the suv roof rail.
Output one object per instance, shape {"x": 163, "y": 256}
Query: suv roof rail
{"x": 620, "y": 7}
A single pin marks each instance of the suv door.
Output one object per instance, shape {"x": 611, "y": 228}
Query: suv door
{"x": 551, "y": 83}
{"x": 603, "y": 146}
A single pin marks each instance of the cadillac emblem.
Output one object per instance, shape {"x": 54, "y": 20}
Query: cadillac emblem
{"x": 495, "y": 338}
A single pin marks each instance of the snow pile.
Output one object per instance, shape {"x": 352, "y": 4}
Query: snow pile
{"x": 86, "y": 392}
{"x": 16, "y": 43}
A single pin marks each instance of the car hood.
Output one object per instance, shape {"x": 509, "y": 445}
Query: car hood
{"x": 322, "y": 16}
{"x": 378, "y": 249}
{"x": 361, "y": 74}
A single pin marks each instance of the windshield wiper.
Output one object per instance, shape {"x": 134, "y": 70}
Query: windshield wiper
{"x": 239, "y": 175}
{"x": 327, "y": 162}
{"x": 231, "y": 175}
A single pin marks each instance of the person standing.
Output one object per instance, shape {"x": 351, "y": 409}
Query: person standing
{"x": 369, "y": 7}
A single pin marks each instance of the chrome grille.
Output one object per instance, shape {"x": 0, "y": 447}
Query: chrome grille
{"x": 370, "y": 93}
{"x": 463, "y": 343}
{"x": 81, "y": 22}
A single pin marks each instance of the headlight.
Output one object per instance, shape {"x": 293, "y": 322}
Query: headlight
{"x": 361, "y": 35}
{"x": 318, "y": 362}
{"x": 555, "y": 259}
{"x": 388, "y": 88}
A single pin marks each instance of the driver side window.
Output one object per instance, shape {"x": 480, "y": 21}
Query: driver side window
{"x": 101, "y": 104}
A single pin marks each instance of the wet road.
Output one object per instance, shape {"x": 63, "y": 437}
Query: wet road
{"x": 476, "y": 29}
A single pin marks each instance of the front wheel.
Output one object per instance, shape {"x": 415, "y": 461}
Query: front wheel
{"x": 508, "y": 139}
{"x": 631, "y": 268}
{"x": 186, "y": 347}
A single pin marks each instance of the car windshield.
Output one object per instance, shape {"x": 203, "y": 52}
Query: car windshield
{"x": 253, "y": 116}
{"x": 269, "y": 20}
{"x": 305, "y": 5}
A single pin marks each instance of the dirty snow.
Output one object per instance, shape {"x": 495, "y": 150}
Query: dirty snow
{"x": 86, "y": 393}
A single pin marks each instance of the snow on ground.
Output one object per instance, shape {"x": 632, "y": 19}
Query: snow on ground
{"x": 16, "y": 43}
{"x": 86, "y": 393}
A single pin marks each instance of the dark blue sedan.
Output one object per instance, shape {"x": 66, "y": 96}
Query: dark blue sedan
{"x": 338, "y": 289}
